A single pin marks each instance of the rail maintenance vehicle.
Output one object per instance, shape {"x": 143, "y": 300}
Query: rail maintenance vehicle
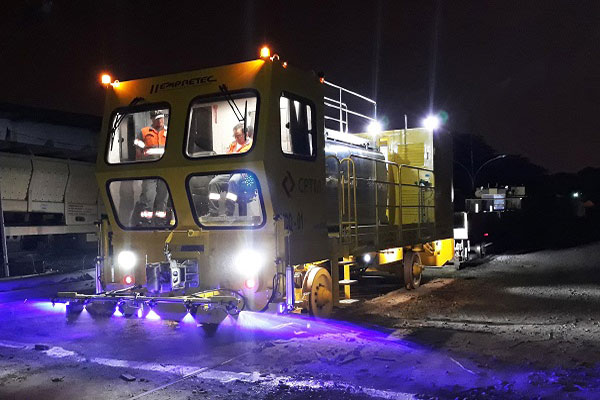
{"x": 225, "y": 191}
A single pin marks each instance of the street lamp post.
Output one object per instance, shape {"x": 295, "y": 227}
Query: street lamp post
{"x": 473, "y": 176}
{"x": 3, "y": 249}
{"x": 433, "y": 122}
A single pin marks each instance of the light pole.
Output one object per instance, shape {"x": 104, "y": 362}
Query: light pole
{"x": 3, "y": 249}
{"x": 434, "y": 122}
{"x": 473, "y": 176}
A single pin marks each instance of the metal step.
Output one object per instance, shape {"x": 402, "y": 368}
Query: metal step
{"x": 348, "y": 281}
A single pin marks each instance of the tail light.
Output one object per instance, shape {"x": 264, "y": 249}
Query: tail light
{"x": 250, "y": 283}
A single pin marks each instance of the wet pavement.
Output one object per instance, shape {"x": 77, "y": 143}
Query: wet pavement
{"x": 294, "y": 357}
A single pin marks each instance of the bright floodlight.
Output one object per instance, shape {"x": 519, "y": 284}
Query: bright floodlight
{"x": 106, "y": 79}
{"x": 248, "y": 262}
{"x": 431, "y": 122}
{"x": 374, "y": 128}
{"x": 126, "y": 259}
{"x": 575, "y": 195}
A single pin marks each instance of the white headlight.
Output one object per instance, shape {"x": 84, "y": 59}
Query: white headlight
{"x": 248, "y": 262}
{"x": 367, "y": 258}
{"x": 126, "y": 259}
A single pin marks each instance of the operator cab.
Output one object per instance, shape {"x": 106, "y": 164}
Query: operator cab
{"x": 216, "y": 127}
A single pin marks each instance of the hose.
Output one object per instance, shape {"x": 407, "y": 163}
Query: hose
{"x": 273, "y": 293}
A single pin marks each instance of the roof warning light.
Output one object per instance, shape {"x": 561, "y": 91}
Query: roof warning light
{"x": 265, "y": 52}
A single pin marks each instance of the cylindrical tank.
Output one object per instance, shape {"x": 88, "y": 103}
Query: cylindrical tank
{"x": 367, "y": 172}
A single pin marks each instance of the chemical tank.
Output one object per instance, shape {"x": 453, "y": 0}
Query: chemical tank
{"x": 367, "y": 172}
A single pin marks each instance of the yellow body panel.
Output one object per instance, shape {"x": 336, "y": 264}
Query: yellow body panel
{"x": 390, "y": 255}
{"x": 438, "y": 253}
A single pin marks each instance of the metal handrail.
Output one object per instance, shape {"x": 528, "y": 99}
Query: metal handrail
{"x": 347, "y": 203}
{"x": 339, "y": 187}
{"x": 420, "y": 200}
{"x": 337, "y": 106}
{"x": 351, "y": 173}
{"x": 340, "y": 106}
{"x": 349, "y": 91}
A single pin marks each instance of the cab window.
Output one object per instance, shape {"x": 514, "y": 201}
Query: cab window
{"x": 142, "y": 203}
{"x": 298, "y": 133}
{"x": 138, "y": 136}
{"x": 227, "y": 200}
{"x": 222, "y": 125}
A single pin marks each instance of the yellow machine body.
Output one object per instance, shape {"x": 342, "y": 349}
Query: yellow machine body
{"x": 293, "y": 233}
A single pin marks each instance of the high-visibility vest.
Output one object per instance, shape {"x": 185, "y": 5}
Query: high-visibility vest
{"x": 244, "y": 148}
{"x": 152, "y": 138}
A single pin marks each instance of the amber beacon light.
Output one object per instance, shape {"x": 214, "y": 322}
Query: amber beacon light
{"x": 265, "y": 52}
{"x": 106, "y": 80}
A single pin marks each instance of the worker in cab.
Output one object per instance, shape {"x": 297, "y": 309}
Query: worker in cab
{"x": 225, "y": 182}
{"x": 150, "y": 141}
{"x": 242, "y": 142}
{"x": 150, "y": 145}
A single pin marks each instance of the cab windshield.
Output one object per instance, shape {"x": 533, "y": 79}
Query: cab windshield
{"x": 138, "y": 135}
{"x": 227, "y": 200}
{"x": 222, "y": 125}
{"x": 143, "y": 203}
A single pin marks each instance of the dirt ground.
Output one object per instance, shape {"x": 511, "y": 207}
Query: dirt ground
{"x": 540, "y": 308}
{"x": 512, "y": 327}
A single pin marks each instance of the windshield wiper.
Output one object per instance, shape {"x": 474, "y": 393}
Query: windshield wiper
{"x": 119, "y": 119}
{"x": 236, "y": 111}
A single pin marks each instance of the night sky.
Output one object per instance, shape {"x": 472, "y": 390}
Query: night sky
{"x": 523, "y": 74}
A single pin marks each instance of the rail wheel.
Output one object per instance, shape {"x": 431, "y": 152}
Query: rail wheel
{"x": 413, "y": 270}
{"x": 320, "y": 297}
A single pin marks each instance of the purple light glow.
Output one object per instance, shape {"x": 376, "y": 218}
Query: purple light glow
{"x": 117, "y": 312}
{"x": 293, "y": 325}
{"x": 229, "y": 321}
{"x": 140, "y": 313}
{"x": 49, "y": 307}
{"x": 188, "y": 319}
{"x": 151, "y": 315}
{"x": 254, "y": 328}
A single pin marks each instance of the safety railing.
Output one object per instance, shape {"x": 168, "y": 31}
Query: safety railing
{"x": 408, "y": 207}
{"x": 349, "y": 214}
{"x": 341, "y": 110}
{"x": 347, "y": 211}
{"x": 343, "y": 117}
{"x": 425, "y": 207}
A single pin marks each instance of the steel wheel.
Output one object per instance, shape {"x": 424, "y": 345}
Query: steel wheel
{"x": 413, "y": 270}
{"x": 318, "y": 288}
